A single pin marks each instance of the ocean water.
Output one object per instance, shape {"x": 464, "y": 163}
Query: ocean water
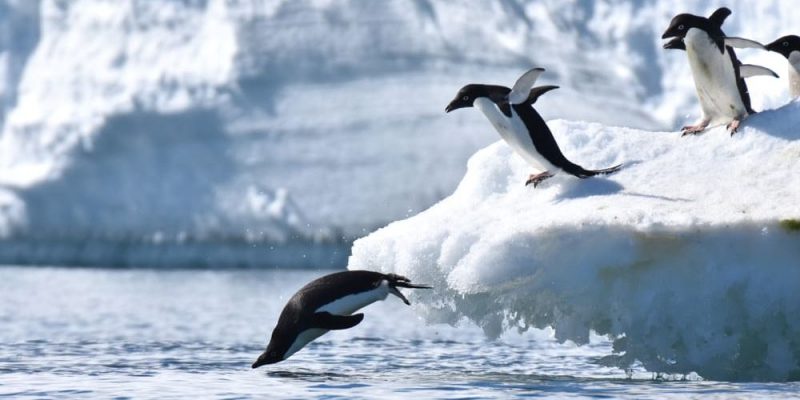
{"x": 106, "y": 333}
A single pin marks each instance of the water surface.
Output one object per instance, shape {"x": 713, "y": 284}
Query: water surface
{"x": 67, "y": 333}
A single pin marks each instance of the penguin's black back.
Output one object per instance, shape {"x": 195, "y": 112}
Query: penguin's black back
{"x": 744, "y": 92}
{"x": 714, "y": 30}
{"x": 545, "y": 143}
{"x": 325, "y": 290}
{"x": 328, "y": 288}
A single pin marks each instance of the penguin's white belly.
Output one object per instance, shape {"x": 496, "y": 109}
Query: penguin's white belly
{"x": 515, "y": 133}
{"x": 342, "y": 306}
{"x": 354, "y": 302}
{"x": 794, "y": 73}
{"x": 714, "y": 79}
{"x": 304, "y": 338}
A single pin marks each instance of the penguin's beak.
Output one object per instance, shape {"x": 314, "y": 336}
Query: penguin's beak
{"x": 457, "y": 103}
{"x": 775, "y": 46}
{"x": 393, "y": 290}
{"x": 672, "y": 31}
{"x": 675, "y": 43}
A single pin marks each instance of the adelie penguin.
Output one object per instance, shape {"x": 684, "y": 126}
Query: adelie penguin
{"x": 789, "y": 47}
{"x": 511, "y": 113}
{"x": 326, "y": 304}
{"x": 718, "y": 74}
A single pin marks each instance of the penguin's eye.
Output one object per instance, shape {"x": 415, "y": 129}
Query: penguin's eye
{"x": 785, "y": 44}
{"x": 465, "y": 98}
{"x": 680, "y": 27}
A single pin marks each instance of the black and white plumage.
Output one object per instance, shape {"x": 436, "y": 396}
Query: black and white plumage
{"x": 511, "y": 113}
{"x": 718, "y": 74}
{"x": 328, "y": 303}
{"x": 789, "y": 47}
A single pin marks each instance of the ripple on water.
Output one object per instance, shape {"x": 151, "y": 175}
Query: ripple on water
{"x": 203, "y": 343}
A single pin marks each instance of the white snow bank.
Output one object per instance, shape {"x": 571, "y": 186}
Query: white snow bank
{"x": 127, "y": 120}
{"x": 688, "y": 258}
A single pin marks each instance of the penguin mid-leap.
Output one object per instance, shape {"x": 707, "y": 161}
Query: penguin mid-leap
{"x": 511, "y": 113}
{"x": 328, "y": 303}
{"x": 789, "y": 47}
{"x": 718, "y": 74}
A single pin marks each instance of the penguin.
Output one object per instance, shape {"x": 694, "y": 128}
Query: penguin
{"x": 511, "y": 113}
{"x": 745, "y": 70}
{"x": 789, "y": 47}
{"x": 718, "y": 74}
{"x": 328, "y": 303}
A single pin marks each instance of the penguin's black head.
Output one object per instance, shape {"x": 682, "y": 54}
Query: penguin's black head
{"x": 277, "y": 347}
{"x": 467, "y": 95}
{"x": 785, "y": 45}
{"x": 682, "y": 23}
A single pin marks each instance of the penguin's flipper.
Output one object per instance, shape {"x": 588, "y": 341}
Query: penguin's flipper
{"x": 538, "y": 91}
{"x": 521, "y": 90}
{"x": 742, "y": 43}
{"x": 748, "y": 70}
{"x": 326, "y": 320}
{"x": 505, "y": 108}
{"x": 718, "y": 16}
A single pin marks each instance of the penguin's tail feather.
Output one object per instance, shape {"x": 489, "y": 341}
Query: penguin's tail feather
{"x": 588, "y": 173}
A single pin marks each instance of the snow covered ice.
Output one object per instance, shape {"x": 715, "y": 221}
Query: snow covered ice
{"x": 181, "y": 108}
{"x": 689, "y": 257}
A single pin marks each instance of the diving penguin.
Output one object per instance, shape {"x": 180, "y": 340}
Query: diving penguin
{"x": 512, "y": 114}
{"x": 328, "y": 303}
{"x": 789, "y": 47}
{"x": 718, "y": 74}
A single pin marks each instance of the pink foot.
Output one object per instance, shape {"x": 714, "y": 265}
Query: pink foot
{"x": 734, "y": 126}
{"x": 536, "y": 179}
{"x": 693, "y": 129}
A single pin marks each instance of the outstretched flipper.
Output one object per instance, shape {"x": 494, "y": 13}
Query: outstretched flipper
{"x": 521, "y": 90}
{"x": 326, "y": 320}
{"x": 537, "y": 92}
{"x": 742, "y": 43}
{"x": 748, "y": 70}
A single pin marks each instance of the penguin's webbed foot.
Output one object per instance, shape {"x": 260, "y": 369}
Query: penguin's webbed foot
{"x": 733, "y": 127}
{"x": 693, "y": 129}
{"x": 536, "y": 179}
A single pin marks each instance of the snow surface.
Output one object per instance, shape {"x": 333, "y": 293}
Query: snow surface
{"x": 267, "y": 122}
{"x": 688, "y": 258}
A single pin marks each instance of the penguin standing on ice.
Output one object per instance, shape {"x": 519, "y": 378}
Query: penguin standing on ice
{"x": 718, "y": 74}
{"x": 512, "y": 114}
{"x": 328, "y": 303}
{"x": 789, "y": 47}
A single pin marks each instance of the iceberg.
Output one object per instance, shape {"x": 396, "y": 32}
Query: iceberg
{"x": 172, "y": 122}
{"x": 688, "y": 259}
